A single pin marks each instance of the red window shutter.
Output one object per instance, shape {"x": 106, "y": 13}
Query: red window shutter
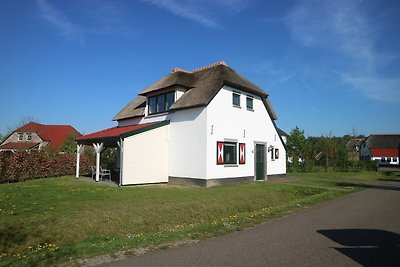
{"x": 220, "y": 153}
{"x": 242, "y": 153}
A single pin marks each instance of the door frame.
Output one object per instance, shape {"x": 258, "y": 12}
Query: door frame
{"x": 265, "y": 160}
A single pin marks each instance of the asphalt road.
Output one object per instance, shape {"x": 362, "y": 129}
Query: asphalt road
{"x": 358, "y": 229}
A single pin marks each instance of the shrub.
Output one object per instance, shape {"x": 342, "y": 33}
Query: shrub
{"x": 21, "y": 166}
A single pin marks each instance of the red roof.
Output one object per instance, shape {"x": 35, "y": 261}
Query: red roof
{"x": 55, "y": 134}
{"x": 114, "y": 131}
{"x": 384, "y": 152}
{"x": 19, "y": 145}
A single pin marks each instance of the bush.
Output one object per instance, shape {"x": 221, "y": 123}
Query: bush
{"x": 21, "y": 166}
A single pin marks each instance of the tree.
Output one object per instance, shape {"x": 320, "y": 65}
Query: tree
{"x": 297, "y": 148}
{"x": 69, "y": 145}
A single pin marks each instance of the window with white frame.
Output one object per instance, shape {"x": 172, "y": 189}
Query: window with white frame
{"x": 236, "y": 99}
{"x": 29, "y": 137}
{"x": 230, "y": 153}
{"x": 20, "y": 136}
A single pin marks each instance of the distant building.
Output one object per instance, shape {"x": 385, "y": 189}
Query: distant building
{"x": 36, "y": 136}
{"x": 283, "y": 135}
{"x": 353, "y": 148}
{"x": 384, "y": 148}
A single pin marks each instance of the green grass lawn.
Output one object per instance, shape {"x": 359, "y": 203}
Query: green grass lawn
{"x": 59, "y": 219}
{"x": 358, "y": 176}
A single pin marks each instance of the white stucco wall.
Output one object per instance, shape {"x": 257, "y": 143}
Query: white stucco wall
{"x": 145, "y": 157}
{"x": 187, "y": 146}
{"x": 224, "y": 121}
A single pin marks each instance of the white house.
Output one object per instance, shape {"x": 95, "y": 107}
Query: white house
{"x": 204, "y": 127}
{"x": 383, "y": 148}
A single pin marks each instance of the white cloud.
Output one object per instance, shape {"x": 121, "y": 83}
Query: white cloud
{"x": 345, "y": 29}
{"x": 381, "y": 89}
{"x": 60, "y": 21}
{"x": 97, "y": 17}
{"x": 200, "y": 11}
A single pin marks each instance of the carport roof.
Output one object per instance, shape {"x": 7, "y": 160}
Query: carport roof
{"x": 115, "y": 133}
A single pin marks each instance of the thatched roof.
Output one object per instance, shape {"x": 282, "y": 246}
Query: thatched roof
{"x": 201, "y": 85}
{"x": 133, "y": 109}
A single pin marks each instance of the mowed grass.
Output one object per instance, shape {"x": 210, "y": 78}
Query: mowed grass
{"x": 357, "y": 176}
{"x": 56, "y": 220}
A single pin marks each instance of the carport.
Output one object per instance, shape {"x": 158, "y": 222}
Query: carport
{"x": 112, "y": 137}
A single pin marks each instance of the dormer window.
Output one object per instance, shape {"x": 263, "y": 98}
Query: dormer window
{"x": 20, "y": 137}
{"x": 29, "y": 137}
{"x": 160, "y": 103}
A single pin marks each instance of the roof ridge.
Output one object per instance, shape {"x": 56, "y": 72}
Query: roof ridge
{"x": 180, "y": 70}
{"x": 219, "y": 63}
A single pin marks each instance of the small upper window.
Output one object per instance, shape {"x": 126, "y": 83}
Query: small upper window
{"x": 394, "y": 159}
{"x": 160, "y": 103}
{"x": 29, "y": 137}
{"x": 388, "y": 159}
{"x": 383, "y": 159}
{"x": 249, "y": 102}
{"x": 236, "y": 99}
{"x": 20, "y": 137}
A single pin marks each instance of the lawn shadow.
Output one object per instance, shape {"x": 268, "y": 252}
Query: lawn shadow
{"x": 368, "y": 247}
{"x": 10, "y": 234}
{"x": 390, "y": 180}
{"x": 374, "y": 186}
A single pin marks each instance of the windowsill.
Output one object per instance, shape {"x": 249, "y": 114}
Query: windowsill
{"x": 236, "y": 106}
{"x": 231, "y": 165}
{"x": 250, "y": 109}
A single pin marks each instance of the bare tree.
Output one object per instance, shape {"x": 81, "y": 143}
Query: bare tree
{"x": 22, "y": 122}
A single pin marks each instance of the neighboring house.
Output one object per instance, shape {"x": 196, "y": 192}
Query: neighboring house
{"x": 353, "y": 148}
{"x": 35, "y": 136}
{"x": 384, "y": 148}
{"x": 205, "y": 127}
{"x": 283, "y": 135}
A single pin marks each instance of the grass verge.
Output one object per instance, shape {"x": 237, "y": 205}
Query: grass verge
{"x": 56, "y": 220}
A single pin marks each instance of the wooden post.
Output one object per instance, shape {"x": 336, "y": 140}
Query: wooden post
{"x": 98, "y": 148}
{"x": 79, "y": 149}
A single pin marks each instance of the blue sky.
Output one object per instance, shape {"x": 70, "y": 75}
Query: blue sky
{"x": 330, "y": 67}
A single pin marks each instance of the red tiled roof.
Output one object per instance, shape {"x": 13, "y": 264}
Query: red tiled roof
{"x": 114, "y": 131}
{"x": 384, "y": 152}
{"x": 19, "y": 145}
{"x": 55, "y": 134}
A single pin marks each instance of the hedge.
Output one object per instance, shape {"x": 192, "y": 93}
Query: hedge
{"x": 21, "y": 166}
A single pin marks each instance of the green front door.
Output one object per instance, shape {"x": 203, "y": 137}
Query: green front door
{"x": 260, "y": 162}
